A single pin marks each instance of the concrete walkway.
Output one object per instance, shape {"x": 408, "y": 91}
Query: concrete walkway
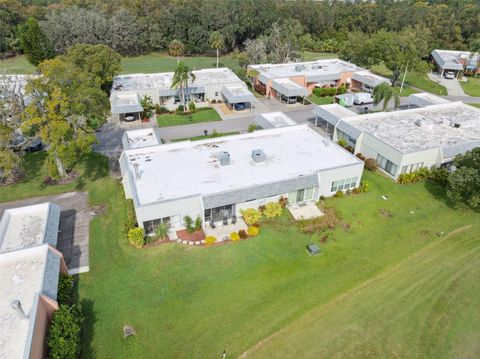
{"x": 452, "y": 85}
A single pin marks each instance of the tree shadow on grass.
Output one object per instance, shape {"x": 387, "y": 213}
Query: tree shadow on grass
{"x": 439, "y": 192}
{"x": 96, "y": 166}
{"x": 88, "y": 312}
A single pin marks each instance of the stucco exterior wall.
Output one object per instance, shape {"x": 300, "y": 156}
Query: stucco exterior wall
{"x": 45, "y": 309}
{"x": 326, "y": 178}
{"x": 431, "y": 157}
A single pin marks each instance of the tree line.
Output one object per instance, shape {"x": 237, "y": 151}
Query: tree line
{"x": 133, "y": 27}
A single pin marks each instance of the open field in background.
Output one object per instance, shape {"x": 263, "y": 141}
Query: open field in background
{"x": 206, "y": 115}
{"x": 16, "y": 65}
{"x": 417, "y": 80}
{"x": 472, "y": 86}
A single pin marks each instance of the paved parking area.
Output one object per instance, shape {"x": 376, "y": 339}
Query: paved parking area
{"x": 73, "y": 236}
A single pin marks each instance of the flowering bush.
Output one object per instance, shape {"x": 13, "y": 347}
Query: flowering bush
{"x": 136, "y": 237}
{"x": 251, "y": 215}
{"x": 272, "y": 209}
{"x": 252, "y": 231}
{"x": 234, "y": 236}
{"x": 209, "y": 240}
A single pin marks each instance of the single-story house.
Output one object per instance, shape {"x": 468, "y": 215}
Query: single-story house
{"x": 298, "y": 79}
{"x": 216, "y": 178}
{"x": 456, "y": 61}
{"x": 273, "y": 120}
{"x": 144, "y": 137}
{"x": 30, "y": 267}
{"x": 209, "y": 85}
{"x": 406, "y": 140}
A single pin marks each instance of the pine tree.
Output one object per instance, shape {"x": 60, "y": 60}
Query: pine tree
{"x": 35, "y": 43}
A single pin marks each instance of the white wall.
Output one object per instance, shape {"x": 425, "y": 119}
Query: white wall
{"x": 431, "y": 157}
{"x": 326, "y": 178}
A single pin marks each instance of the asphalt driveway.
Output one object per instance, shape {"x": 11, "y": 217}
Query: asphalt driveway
{"x": 73, "y": 236}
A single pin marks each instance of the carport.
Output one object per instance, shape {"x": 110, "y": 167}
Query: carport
{"x": 367, "y": 80}
{"x": 286, "y": 88}
{"x": 328, "y": 116}
{"x": 233, "y": 95}
{"x": 126, "y": 106}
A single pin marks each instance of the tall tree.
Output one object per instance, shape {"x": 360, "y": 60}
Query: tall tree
{"x": 463, "y": 184}
{"x": 182, "y": 76}
{"x": 217, "y": 42}
{"x": 384, "y": 92}
{"x": 176, "y": 48}
{"x": 35, "y": 43}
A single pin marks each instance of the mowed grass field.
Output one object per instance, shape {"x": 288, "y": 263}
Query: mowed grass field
{"x": 385, "y": 286}
{"x": 472, "y": 86}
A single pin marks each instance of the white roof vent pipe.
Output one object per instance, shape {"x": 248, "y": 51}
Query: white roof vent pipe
{"x": 17, "y": 307}
{"x": 137, "y": 172}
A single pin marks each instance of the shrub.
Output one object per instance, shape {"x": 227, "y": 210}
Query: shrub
{"x": 272, "y": 209}
{"x": 191, "y": 106}
{"x": 161, "y": 231}
{"x": 349, "y": 149}
{"x": 198, "y": 223}
{"x": 160, "y": 110}
{"x": 317, "y": 91}
{"x": 213, "y": 101}
{"x": 147, "y": 105}
{"x": 64, "y": 333}
{"x": 332, "y": 91}
{"x": 253, "y": 231}
{"x": 371, "y": 164}
{"x": 342, "y": 142}
{"x": 342, "y": 89}
{"x": 419, "y": 175}
{"x": 322, "y": 198}
{"x": 364, "y": 186}
{"x": 348, "y": 191}
{"x": 210, "y": 240}
{"x": 180, "y": 108}
{"x": 261, "y": 208}
{"x": 250, "y": 215}
{"x": 130, "y": 221}
{"x": 234, "y": 236}
{"x": 242, "y": 234}
{"x": 356, "y": 190}
{"x": 338, "y": 194}
{"x": 189, "y": 224}
{"x": 252, "y": 127}
{"x": 360, "y": 156}
{"x": 439, "y": 174}
{"x": 136, "y": 237}
{"x": 215, "y": 134}
{"x": 283, "y": 201}
{"x": 65, "y": 287}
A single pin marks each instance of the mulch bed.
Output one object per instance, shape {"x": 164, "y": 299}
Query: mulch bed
{"x": 195, "y": 236}
{"x": 72, "y": 176}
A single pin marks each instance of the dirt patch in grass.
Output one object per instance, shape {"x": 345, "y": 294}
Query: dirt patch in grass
{"x": 329, "y": 220}
{"x": 195, "y": 236}
{"x": 385, "y": 213}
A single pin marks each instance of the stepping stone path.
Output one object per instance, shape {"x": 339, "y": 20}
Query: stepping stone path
{"x": 191, "y": 243}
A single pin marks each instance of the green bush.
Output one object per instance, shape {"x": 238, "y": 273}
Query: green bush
{"x": 131, "y": 220}
{"x": 161, "y": 231}
{"x": 356, "y": 190}
{"x": 332, "y": 91}
{"x": 317, "y": 91}
{"x": 63, "y": 339}
{"x": 371, "y": 164}
{"x": 252, "y": 231}
{"x": 342, "y": 142}
{"x": 180, "y": 108}
{"x": 342, "y": 89}
{"x": 364, "y": 186}
{"x": 189, "y": 224}
{"x": 136, "y": 237}
{"x": 252, "y": 127}
{"x": 272, "y": 209}
{"x": 250, "y": 215}
{"x": 210, "y": 240}
{"x": 160, "y": 110}
{"x": 419, "y": 175}
{"x": 65, "y": 287}
{"x": 234, "y": 236}
{"x": 439, "y": 174}
{"x": 191, "y": 106}
{"x": 339, "y": 194}
{"x": 243, "y": 234}
{"x": 198, "y": 223}
{"x": 147, "y": 105}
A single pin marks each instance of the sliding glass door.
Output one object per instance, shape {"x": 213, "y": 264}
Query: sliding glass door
{"x": 217, "y": 214}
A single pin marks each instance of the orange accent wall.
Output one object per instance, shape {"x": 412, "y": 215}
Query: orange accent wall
{"x": 45, "y": 310}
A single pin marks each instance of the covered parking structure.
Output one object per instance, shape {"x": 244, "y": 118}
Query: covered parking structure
{"x": 288, "y": 91}
{"x": 367, "y": 81}
{"x": 456, "y": 61}
{"x": 126, "y": 106}
{"x": 233, "y": 96}
{"x": 328, "y": 116}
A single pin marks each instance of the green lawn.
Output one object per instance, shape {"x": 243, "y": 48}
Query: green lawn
{"x": 406, "y": 91}
{"x": 417, "y": 80}
{"x": 472, "y": 86}
{"x": 16, "y": 65}
{"x": 326, "y": 100}
{"x": 385, "y": 286}
{"x": 198, "y": 138}
{"x": 174, "y": 119}
{"x": 474, "y": 104}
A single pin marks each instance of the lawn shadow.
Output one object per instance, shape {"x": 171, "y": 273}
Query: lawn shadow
{"x": 438, "y": 191}
{"x": 96, "y": 166}
{"x": 88, "y": 312}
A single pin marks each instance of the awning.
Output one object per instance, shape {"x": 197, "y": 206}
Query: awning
{"x": 332, "y": 76}
{"x": 125, "y": 103}
{"x": 288, "y": 88}
{"x": 332, "y": 113}
{"x": 237, "y": 94}
{"x": 370, "y": 79}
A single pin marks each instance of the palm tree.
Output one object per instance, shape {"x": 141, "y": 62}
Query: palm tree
{"x": 217, "y": 42}
{"x": 384, "y": 92}
{"x": 176, "y": 48}
{"x": 180, "y": 80}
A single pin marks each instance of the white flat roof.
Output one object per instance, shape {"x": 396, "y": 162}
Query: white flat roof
{"x": 141, "y": 138}
{"x": 277, "y": 119}
{"x": 188, "y": 168}
{"x": 426, "y": 99}
{"x": 369, "y": 78}
{"x": 29, "y": 226}
{"x": 21, "y": 277}
{"x": 422, "y": 128}
{"x": 333, "y": 112}
{"x": 163, "y": 80}
{"x": 456, "y": 60}
{"x": 310, "y": 68}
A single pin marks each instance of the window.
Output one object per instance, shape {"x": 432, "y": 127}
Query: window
{"x": 343, "y": 184}
{"x": 151, "y": 226}
{"x": 412, "y": 168}
{"x": 292, "y": 197}
{"x": 309, "y": 194}
{"x": 386, "y": 165}
{"x": 216, "y": 94}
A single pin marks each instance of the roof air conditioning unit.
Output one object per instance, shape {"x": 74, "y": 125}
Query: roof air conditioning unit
{"x": 454, "y": 124}
{"x": 299, "y": 68}
{"x": 224, "y": 158}
{"x": 258, "y": 155}
{"x": 316, "y": 67}
{"x": 419, "y": 122}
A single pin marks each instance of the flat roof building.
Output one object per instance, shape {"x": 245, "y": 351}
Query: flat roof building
{"x": 144, "y": 137}
{"x": 209, "y": 84}
{"x": 403, "y": 141}
{"x": 456, "y": 61}
{"x": 298, "y": 79}
{"x": 217, "y": 177}
{"x": 273, "y": 120}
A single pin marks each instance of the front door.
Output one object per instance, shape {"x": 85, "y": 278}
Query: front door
{"x": 300, "y": 195}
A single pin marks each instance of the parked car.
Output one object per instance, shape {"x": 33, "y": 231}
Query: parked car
{"x": 362, "y": 98}
{"x": 450, "y": 75}
{"x": 240, "y": 106}
{"x": 289, "y": 100}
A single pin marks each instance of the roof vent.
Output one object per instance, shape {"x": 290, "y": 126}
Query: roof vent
{"x": 316, "y": 67}
{"x": 419, "y": 122}
{"x": 224, "y": 158}
{"x": 258, "y": 155}
{"x": 299, "y": 68}
{"x": 454, "y": 124}
{"x": 17, "y": 307}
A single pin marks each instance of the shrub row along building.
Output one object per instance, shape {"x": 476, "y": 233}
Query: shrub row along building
{"x": 216, "y": 178}
{"x": 406, "y": 140}
{"x": 30, "y": 266}
{"x": 289, "y": 81}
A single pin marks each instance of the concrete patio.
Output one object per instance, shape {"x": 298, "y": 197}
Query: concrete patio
{"x": 222, "y": 232}
{"x": 304, "y": 210}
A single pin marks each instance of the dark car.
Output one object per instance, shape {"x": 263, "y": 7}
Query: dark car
{"x": 240, "y": 106}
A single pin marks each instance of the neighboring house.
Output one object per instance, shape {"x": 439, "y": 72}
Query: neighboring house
{"x": 141, "y": 138}
{"x": 456, "y": 61}
{"x": 273, "y": 120}
{"x": 406, "y": 140}
{"x": 216, "y": 178}
{"x": 209, "y": 85}
{"x": 298, "y": 79}
{"x": 30, "y": 266}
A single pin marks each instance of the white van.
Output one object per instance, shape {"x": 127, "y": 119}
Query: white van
{"x": 362, "y": 98}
